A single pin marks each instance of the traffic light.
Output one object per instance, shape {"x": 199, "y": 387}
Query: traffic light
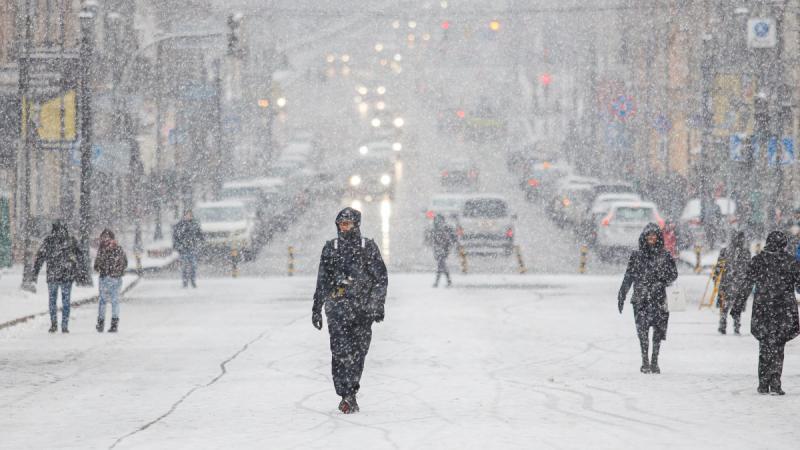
{"x": 234, "y": 35}
{"x": 445, "y": 25}
{"x": 545, "y": 79}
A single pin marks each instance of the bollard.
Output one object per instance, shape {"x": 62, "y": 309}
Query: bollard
{"x": 584, "y": 252}
{"x": 291, "y": 261}
{"x": 138, "y": 256}
{"x": 463, "y": 256}
{"x": 698, "y": 266}
{"x": 234, "y": 259}
{"x": 520, "y": 262}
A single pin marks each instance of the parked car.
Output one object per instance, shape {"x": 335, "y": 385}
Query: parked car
{"x": 690, "y": 225}
{"x": 620, "y": 228}
{"x": 226, "y": 225}
{"x": 459, "y": 174}
{"x": 571, "y": 200}
{"x": 599, "y": 209}
{"x": 540, "y": 180}
{"x": 485, "y": 225}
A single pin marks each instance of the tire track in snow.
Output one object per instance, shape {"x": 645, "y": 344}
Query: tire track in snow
{"x": 223, "y": 372}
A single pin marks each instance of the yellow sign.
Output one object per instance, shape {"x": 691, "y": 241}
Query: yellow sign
{"x": 733, "y": 97}
{"x": 49, "y": 120}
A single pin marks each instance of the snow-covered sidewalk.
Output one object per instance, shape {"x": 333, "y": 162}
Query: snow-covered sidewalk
{"x": 18, "y": 306}
{"x": 498, "y": 361}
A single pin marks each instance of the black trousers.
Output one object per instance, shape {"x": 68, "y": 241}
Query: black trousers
{"x": 350, "y": 336}
{"x": 441, "y": 268}
{"x": 770, "y": 363}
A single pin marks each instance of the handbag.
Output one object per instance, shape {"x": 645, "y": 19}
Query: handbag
{"x": 676, "y": 299}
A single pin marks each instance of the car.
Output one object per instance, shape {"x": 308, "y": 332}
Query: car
{"x": 620, "y": 228}
{"x": 540, "y": 179}
{"x": 690, "y": 224}
{"x": 448, "y": 205}
{"x": 372, "y": 174}
{"x": 459, "y": 174}
{"x": 599, "y": 209}
{"x": 226, "y": 225}
{"x": 267, "y": 199}
{"x": 386, "y": 148}
{"x": 486, "y": 225}
{"x": 569, "y": 205}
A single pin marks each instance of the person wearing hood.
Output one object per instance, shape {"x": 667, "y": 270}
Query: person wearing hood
{"x": 442, "y": 237}
{"x": 351, "y": 286}
{"x": 187, "y": 238}
{"x": 65, "y": 265}
{"x": 775, "y": 276}
{"x": 650, "y": 270}
{"x": 732, "y": 264}
{"x": 111, "y": 263}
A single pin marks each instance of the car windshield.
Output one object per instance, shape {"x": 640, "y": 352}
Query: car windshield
{"x": 633, "y": 214}
{"x": 488, "y": 208}
{"x": 220, "y": 214}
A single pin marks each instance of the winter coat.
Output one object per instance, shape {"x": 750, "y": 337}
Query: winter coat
{"x": 111, "y": 260}
{"x": 650, "y": 270}
{"x": 775, "y": 276}
{"x": 63, "y": 256}
{"x": 187, "y": 236}
{"x": 442, "y": 237}
{"x": 733, "y": 285}
{"x": 351, "y": 269}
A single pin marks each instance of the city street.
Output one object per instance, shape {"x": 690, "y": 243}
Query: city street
{"x": 496, "y": 362}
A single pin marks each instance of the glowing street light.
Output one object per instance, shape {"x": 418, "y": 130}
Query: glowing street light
{"x": 494, "y": 25}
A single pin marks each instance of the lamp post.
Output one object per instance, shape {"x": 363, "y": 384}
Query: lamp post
{"x": 26, "y": 138}
{"x": 87, "y": 18}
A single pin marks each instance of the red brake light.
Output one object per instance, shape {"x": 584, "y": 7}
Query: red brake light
{"x": 444, "y": 173}
{"x": 566, "y": 202}
{"x": 461, "y": 114}
{"x": 606, "y": 220}
{"x": 533, "y": 182}
{"x": 429, "y": 214}
{"x": 510, "y": 233}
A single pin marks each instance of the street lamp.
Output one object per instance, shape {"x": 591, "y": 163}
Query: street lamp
{"x": 87, "y": 18}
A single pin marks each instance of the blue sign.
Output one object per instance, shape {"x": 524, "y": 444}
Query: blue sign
{"x": 75, "y": 153}
{"x": 737, "y": 147}
{"x": 761, "y": 29}
{"x": 623, "y": 107}
{"x": 780, "y": 152}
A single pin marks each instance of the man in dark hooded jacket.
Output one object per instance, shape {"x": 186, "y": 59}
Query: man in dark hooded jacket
{"x": 187, "y": 238}
{"x": 442, "y": 237}
{"x": 732, "y": 265}
{"x": 351, "y": 285}
{"x": 650, "y": 270}
{"x": 64, "y": 266}
{"x": 775, "y": 275}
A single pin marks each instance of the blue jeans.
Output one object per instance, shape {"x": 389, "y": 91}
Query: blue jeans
{"x": 109, "y": 291}
{"x": 66, "y": 290}
{"x": 188, "y": 267}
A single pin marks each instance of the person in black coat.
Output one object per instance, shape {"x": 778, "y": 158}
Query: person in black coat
{"x": 733, "y": 263}
{"x": 775, "y": 275}
{"x": 65, "y": 264}
{"x": 442, "y": 238}
{"x": 351, "y": 286}
{"x": 187, "y": 237}
{"x": 650, "y": 270}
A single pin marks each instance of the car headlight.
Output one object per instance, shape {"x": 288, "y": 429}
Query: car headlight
{"x": 376, "y": 123}
{"x": 399, "y": 122}
{"x": 386, "y": 179}
{"x": 397, "y": 146}
{"x": 355, "y": 180}
{"x": 363, "y": 150}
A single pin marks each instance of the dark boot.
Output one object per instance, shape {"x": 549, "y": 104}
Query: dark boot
{"x": 348, "y": 405}
{"x": 64, "y": 329}
{"x": 100, "y": 325}
{"x": 53, "y": 327}
{"x": 654, "y": 360}
{"x": 737, "y": 325}
{"x": 723, "y": 325}
{"x": 763, "y": 389}
{"x": 645, "y": 345}
{"x": 645, "y": 364}
{"x": 113, "y": 327}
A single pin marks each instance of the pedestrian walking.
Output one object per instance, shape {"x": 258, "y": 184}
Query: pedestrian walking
{"x": 187, "y": 237}
{"x": 650, "y": 270}
{"x": 65, "y": 265}
{"x": 351, "y": 286}
{"x": 110, "y": 263}
{"x": 442, "y": 238}
{"x": 775, "y": 276}
{"x": 734, "y": 289}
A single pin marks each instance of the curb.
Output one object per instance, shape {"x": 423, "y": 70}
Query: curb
{"x": 75, "y": 304}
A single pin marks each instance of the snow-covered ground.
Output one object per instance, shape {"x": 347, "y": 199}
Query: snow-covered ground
{"x": 498, "y": 361}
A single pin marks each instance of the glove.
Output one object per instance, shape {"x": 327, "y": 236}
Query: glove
{"x": 316, "y": 319}
{"x": 620, "y": 302}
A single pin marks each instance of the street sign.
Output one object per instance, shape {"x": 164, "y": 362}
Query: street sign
{"x": 761, "y": 33}
{"x": 780, "y": 152}
{"x": 623, "y": 107}
{"x": 737, "y": 150}
{"x": 50, "y": 72}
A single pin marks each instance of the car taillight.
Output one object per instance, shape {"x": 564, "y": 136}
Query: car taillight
{"x": 510, "y": 233}
{"x": 606, "y": 220}
{"x": 444, "y": 174}
{"x": 533, "y": 182}
{"x": 566, "y": 202}
{"x": 429, "y": 214}
{"x": 459, "y": 232}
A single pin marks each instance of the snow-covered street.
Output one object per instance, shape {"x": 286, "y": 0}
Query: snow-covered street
{"x": 498, "y": 361}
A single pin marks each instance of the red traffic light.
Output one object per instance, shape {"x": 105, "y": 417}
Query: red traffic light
{"x": 445, "y": 24}
{"x": 460, "y": 113}
{"x": 545, "y": 79}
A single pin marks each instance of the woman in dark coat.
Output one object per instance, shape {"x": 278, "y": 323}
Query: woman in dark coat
{"x": 733, "y": 263}
{"x": 443, "y": 237}
{"x": 775, "y": 275}
{"x": 650, "y": 270}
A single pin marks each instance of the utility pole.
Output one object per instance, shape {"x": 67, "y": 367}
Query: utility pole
{"x": 158, "y": 234}
{"x": 26, "y": 129}
{"x": 87, "y": 18}
{"x": 701, "y": 168}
